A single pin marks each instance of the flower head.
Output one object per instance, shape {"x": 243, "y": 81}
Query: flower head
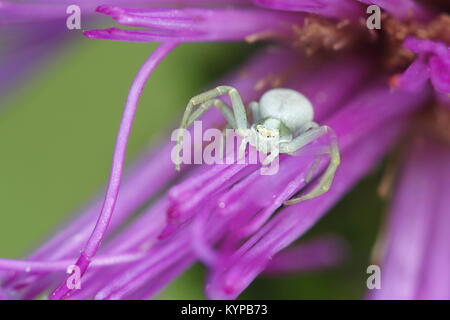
{"x": 229, "y": 216}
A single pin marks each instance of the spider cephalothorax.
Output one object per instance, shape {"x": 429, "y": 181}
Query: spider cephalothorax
{"x": 283, "y": 123}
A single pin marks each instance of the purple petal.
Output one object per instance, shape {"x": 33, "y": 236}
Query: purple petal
{"x": 34, "y": 11}
{"x": 433, "y": 62}
{"x": 311, "y": 255}
{"x": 326, "y": 8}
{"x": 25, "y": 50}
{"x": 110, "y": 199}
{"x": 61, "y": 265}
{"x": 440, "y": 73}
{"x": 416, "y": 257}
{"x": 416, "y": 76}
{"x": 196, "y": 24}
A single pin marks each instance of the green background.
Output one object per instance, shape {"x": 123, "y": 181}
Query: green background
{"x": 57, "y": 133}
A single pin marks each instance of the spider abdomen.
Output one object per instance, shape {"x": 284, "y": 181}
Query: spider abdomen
{"x": 287, "y": 105}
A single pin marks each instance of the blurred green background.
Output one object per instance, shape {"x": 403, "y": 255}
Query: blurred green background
{"x": 57, "y": 133}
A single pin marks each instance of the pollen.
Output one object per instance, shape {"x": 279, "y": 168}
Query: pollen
{"x": 320, "y": 34}
{"x": 395, "y": 31}
{"x": 271, "y": 81}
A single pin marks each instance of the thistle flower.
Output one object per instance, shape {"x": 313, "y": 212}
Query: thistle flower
{"x": 228, "y": 215}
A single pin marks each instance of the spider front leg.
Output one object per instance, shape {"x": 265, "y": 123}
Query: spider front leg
{"x": 254, "y": 108}
{"x": 223, "y": 140}
{"x": 236, "y": 119}
{"x": 270, "y": 157}
{"x": 326, "y": 180}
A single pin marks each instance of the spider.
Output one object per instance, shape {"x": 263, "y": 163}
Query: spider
{"x": 283, "y": 123}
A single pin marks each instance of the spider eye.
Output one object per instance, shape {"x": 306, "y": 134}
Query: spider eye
{"x": 259, "y": 128}
{"x": 267, "y": 133}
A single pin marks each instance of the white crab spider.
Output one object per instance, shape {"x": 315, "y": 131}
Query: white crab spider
{"x": 283, "y": 123}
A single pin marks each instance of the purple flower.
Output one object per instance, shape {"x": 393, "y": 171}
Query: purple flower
{"x": 371, "y": 86}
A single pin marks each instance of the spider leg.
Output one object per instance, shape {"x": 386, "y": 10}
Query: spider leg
{"x": 237, "y": 119}
{"x": 238, "y": 106}
{"x": 223, "y": 138}
{"x": 313, "y": 168}
{"x": 310, "y": 125}
{"x": 326, "y": 180}
{"x": 241, "y": 152}
{"x": 273, "y": 154}
{"x": 303, "y": 139}
{"x": 310, "y": 132}
{"x": 254, "y": 107}
{"x": 222, "y": 106}
{"x": 224, "y": 109}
